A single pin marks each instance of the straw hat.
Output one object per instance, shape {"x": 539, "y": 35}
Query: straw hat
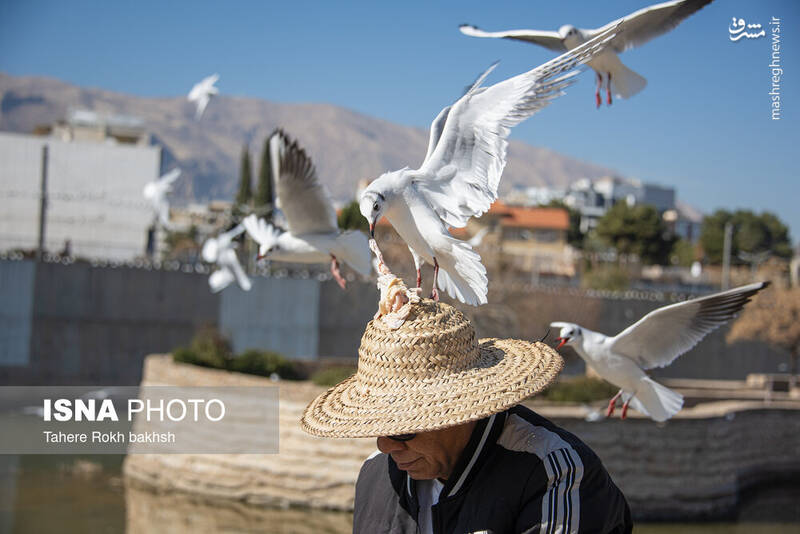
{"x": 427, "y": 373}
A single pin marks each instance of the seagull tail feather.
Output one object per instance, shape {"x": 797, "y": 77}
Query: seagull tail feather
{"x": 462, "y": 275}
{"x": 625, "y": 83}
{"x": 353, "y": 249}
{"x": 655, "y": 400}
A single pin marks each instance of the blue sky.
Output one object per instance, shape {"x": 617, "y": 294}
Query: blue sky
{"x": 702, "y": 125}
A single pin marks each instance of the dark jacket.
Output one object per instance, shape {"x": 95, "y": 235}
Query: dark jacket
{"x": 518, "y": 473}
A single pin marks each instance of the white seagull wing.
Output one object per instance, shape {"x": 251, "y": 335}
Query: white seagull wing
{"x": 547, "y": 39}
{"x": 260, "y": 231}
{"x": 461, "y": 176}
{"x": 302, "y": 198}
{"x": 649, "y": 22}
{"x": 664, "y": 334}
{"x": 437, "y": 126}
{"x": 166, "y": 180}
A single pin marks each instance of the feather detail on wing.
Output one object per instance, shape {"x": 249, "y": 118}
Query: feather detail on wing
{"x": 461, "y": 176}
{"x": 664, "y": 334}
{"x": 301, "y": 196}
{"x": 437, "y": 126}
{"x": 650, "y": 22}
{"x": 547, "y": 39}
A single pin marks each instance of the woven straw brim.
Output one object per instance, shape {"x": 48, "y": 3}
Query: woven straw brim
{"x": 506, "y": 372}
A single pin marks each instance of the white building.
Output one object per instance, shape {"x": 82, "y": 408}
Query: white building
{"x": 93, "y": 192}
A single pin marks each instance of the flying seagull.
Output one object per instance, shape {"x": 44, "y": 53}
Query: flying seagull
{"x": 634, "y": 29}
{"x": 202, "y": 92}
{"x": 461, "y": 172}
{"x": 222, "y": 251}
{"x": 313, "y": 236}
{"x": 156, "y": 194}
{"x": 656, "y": 340}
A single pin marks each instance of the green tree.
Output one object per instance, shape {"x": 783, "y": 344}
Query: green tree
{"x": 265, "y": 199}
{"x": 245, "y": 192}
{"x": 350, "y": 218}
{"x": 752, "y": 234}
{"x": 682, "y": 253}
{"x": 636, "y": 230}
{"x": 574, "y": 234}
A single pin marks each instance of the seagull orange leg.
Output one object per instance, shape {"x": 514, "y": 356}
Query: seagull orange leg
{"x": 625, "y": 408}
{"x": 419, "y": 278}
{"x": 337, "y": 275}
{"x": 611, "y": 404}
{"x": 434, "y": 291}
{"x": 597, "y": 91}
{"x": 608, "y": 89}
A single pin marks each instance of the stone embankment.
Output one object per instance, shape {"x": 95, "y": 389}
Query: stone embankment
{"x": 702, "y": 464}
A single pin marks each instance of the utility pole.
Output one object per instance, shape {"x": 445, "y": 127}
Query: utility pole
{"x": 42, "y": 205}
{"x": 726, "y": 256}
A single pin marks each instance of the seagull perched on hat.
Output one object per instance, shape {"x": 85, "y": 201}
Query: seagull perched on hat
{"x": 461, "y": 172}
{"x": 656, "y": 340}
{"x": 313, "y": 236}
{"x": 202, "y": 92}
{"x": 634, "y": 29}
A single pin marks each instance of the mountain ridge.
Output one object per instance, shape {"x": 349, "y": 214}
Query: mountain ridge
{"x": 345, "y": 145}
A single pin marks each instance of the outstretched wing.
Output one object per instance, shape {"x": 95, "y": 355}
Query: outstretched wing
{"x": 664, "y": 334}
{"x": 166, "y": 180}
{"x": 650, "y": 22}
{"x": 437, "y": 126}
{"x": 300, "y": 195}
{"x": 551, "y": 40}
{"x": 461, "y": 175}
{"x": 260, "y": 231}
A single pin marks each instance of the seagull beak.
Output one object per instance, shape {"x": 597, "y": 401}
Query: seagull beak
{"x": 563, "y": 341}
{"x": 372, "y": 230}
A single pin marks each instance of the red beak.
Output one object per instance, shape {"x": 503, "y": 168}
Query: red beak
{"x": 372, "y": 230}
{"x": 563, "y": 341}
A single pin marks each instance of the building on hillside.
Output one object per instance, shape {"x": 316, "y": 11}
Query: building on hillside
{"x": 97, "y": 127}
{"x": 94, "y": 206}
{"x": 526, "y": 239}
{"x": 593, "y": 198}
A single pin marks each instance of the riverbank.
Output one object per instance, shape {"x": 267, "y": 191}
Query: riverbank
{"x": 706, "y": 463}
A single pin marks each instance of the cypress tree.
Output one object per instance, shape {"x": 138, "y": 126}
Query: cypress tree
{"x": 264, "y": 198}
{"x": 245, "y": 192}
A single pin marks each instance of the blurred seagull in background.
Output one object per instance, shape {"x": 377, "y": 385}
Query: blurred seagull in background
{"x": 476, "y": 240}
{"x": 156, "y": 194}
{"x": 656, "y": 340}
{"x": 313, "y": 236}
{"x": 461, "y": 172}
{"x": 202, "y": 92}
{"x": 634, "y": 30}
{"x": 222, "y": 251}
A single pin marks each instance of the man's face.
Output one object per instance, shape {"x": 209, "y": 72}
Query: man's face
{"x": 430, "y": 454}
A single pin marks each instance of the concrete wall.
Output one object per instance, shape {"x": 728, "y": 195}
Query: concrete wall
{"x": 84, "y": 324}
{"x": 16, "y": 312}
{"x": 94, "y": 195}
{"x": 278, "y": 314}
{"x": 93, "y": 325}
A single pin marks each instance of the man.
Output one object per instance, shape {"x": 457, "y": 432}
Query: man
{"x": 456, "y": 451}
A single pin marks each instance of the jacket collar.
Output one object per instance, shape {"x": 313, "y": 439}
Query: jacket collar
{"x": 484, "y": 436}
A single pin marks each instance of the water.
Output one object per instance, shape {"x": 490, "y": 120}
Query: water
{"x": 78, "y": 494}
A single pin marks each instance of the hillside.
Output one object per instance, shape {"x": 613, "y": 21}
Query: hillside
{"x": 346, "y": 146}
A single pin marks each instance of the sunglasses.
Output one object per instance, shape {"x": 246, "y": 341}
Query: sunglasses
{"x": 402, "y": 437}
